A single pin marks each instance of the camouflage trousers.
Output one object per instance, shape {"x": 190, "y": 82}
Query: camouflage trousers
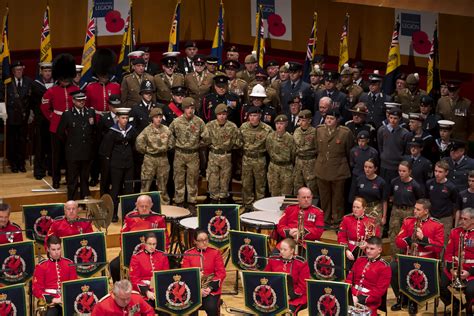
{"x": 158, "y": 167}
{"x": 375, "y": 210}
{"x": 280, "y": 179}
{"x": 304, "y": 175}
{"x": 396, "y": 221}
{"x": 219, "y": 174}
{"x": 253, "y": 179}
{"x": 186, "y": 176}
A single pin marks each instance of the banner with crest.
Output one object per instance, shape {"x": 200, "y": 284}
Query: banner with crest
{"x": 80, "y": 296}
{"x": 84, "y": 249}
{"x": 127, "y": 202}
{"x": 246, "y": 247}
{"x": 327, "y": 298}
{"x": 326, "y": 261}
{"x": 178, "y": 291}
{"x": 39, "y": 217}
{"x": 134, "y": 241}
{"x": 418, "y": 277}
{"x": 13, "y": 300}
{"x": 17, "y": 262}
{"x": 218, "y": 220}
{"x": 265, "y": 293}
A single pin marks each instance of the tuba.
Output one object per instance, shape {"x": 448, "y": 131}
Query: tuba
{"x": 300, "y": 232}
{"x": 458, "y": 283}
{"x": 413, "y": 250}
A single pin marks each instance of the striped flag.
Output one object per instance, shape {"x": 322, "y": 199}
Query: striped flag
{"x": 343, "y": 46}
{"x": 218, "y": 42}
{"x": 46, "y": 52}
{"x": 259, "y": 44}
{"x": 393, "y": 62}
{"x": 5, "y": 51}
{"x": 128, "y": 44}
{"x": 434, "y": 76}
{"x": 173, "y": 45}
{"x": 311, "y": 48}
{"x": 89, "y": 49}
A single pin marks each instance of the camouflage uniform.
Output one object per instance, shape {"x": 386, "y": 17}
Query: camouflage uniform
{"x": 280, "y": 170}
{"x": 154, "y": 144}
{"x": 304, "y": 173}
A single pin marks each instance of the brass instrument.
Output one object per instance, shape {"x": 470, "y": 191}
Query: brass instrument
{"x": 458, "y": 283}
{"x": 300, "y": 232}
{"x": 206, "y": 279}
{"x": 370, "y": 229}
{"x": 413, "y": 250}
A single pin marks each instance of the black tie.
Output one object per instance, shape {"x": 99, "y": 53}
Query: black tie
{"x": 293, "y": 119}
{"x": 374, "y": 97}
{"x": 293, "y": 85}
{"x": 18, "y": 85}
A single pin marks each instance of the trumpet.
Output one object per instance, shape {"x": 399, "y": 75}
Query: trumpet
{"x": 413, "y": 250}
{"x": 458, "y": 283}
{"x": 300, "y": 232}
{"x": 369, "y": 232}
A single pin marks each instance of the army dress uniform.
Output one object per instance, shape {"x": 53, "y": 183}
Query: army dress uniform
{"x": 136, "y": 307}
{"x": 63, "y": 228}
{"x": 130, "y": 89}
{"x": 98, "y": 94}
{"x": 9, "y": 233}
{"x": 49, "y": 274}
{"x": 355, "y": 230}
{"x": 210, "y": 102}
{"x": 459, "y": 111}
{"x": 142, "y": 266}
{"x": 410, "y": 102}
{"x": 240, "y": 88}
{"x": 198, "y": 85}
{"x": 313, "y": 221}
{"x": 164, "y": 83}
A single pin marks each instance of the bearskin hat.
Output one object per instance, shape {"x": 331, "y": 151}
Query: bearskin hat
{"x": 103, "y": 62}
{"x": 64, "y": 67}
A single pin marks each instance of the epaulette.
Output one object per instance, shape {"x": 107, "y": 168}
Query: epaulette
{"x": 16, "y": 225}
{"x": 125, "y": 76}
{"x": 321, "y": 125}
{"x": 42, "y": 260}
{"x": 435, "y": 219}
{"x": 384, "y": 261}
{"x": 300, "y": 258}
{"x": 349, "y": 122}
{"x": 241, "y": 80}
{"x": 347, "y": 129}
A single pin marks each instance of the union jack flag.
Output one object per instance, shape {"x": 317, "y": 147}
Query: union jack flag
{"x": 89, "y": 50}
{"x": 311, "y": 48}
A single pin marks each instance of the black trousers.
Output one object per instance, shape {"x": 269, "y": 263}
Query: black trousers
{"x": 119, "y": 178}
{"x": 55, "y": 310}
{"x": 78, "y": 170}
{"x": 57, "y": 156}
{"x": 104, "y": 176}
{"x": 42, "y": 148}
{"x": 446, "y": 294}
{"x": 16, "y": 145}
{"x": 210, "y": 304}
{"x": 114, "y": 268}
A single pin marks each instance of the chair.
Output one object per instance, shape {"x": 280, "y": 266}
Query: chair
{"x": 127, "y": 202}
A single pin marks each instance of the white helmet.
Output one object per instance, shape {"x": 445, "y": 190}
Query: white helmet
{"x": 258, "y": 91}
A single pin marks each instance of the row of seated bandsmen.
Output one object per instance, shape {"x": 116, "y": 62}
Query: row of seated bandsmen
{"x": 370, "y": 275}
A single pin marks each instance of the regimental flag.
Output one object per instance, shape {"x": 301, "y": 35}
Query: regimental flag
{"x": 393, "y": 62}
{"x": 46, "y": 52}
{"x": 173, "y": 45}
{"x": 344, "y": 44}
{"x": 311, "y": 48}
{"x": 134, "y": 241}
{"x": 89, "y": 49}
{"x": 17, "y": 260}
{"x": 5, "y": 51}
{"x": 218, "y": 42}
{"x": 127, "y": 202}
{"x": 327, "y": 297}
{"x": 418, "y": 278}
{"x": 81, "y": 296}
{"x": 178, "y": 291}
{"x": 326, "y": 261}
{"x": 128, "y": 44}
{"x": 39, "y": 217}
{"x": 265, "y": 293}
{"x": 246, "y": 248}
{"x": 433, "y": 83}
{"x": 13, "y": 300}
{"x": 259, "y": 43}
{"x": 84, "y": 249}
{"x": 218, "y": 220}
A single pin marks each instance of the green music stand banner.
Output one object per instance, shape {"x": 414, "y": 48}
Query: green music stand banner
{"x": 80, "y": 296}
{"x": 39, "y": 217}
{"x": 265, "y": 293}
{"x": 418, "y": 278}
{"x": 178, "y": 291}
{"x": 218, "y": 220}
{"x": 327, "y": 298}
{"x": 134, "y": 241}
{"x": 13, "y": 300}
{"x": 17, "y": 262}
{"x": 86, "y": 248}
{"x": 326, "y": 261}
{"x": 245, "y": 249}
{"x": 127, "y": 202}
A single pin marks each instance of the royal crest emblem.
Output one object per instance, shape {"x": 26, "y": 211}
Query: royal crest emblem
{"x": 218, "y": 227}
{"x": 264, "y": 297}
{"x": 417, "y": 281}
{"x": 85, "y": 254}
{"x": 178, "y": 294}
{"x": 328, "y": 304}
{"x": 247, "y": 255}
{"x": 14, "y": 267}
{"x": 7, "y": 308}
{"x": 324, "y": 266}
{"x": 85, "y": 301}
{"x": 42, "y": 224}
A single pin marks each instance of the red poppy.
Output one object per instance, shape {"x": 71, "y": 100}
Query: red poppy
{"x": 276, "y": 27}
{"x": 114, "y": 22}
{"x": 421, "y": 42}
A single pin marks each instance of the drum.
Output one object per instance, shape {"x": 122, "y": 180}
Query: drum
{"x": 173, "y": 215}
{"x": 359, "y": 310}
{"x": 189, "y": 224}
{"x": 261, "y": 219}
{"x": 270, "y": 204}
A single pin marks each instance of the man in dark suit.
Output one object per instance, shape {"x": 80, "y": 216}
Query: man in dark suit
{"x": 339, "y": 99}
{"x": 150, "y": 67}
{"x": 357, "y": 76}
{"x": 295, "y": 108}
{"x": 185, "y": 64}
{"x": 375, "y": 100}
{"x": 295, "y": 86}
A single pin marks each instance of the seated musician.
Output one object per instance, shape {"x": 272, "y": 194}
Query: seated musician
{"x": 144, "y": 263}
{"x": 212, "y": 270}
{"x": 356, "y": 228}
{"x": 370, "y": 276}
{"x": 9, "y": 232}
{"x": 50, "y": 273}
{"x": 297, "y": 268}
{"x": 313, "y": 219}
{"x": 426, "y": 242}
{"x": 122, "y": 301}
{"x": 466, "y": 230}
{"x": 139, "y": 219}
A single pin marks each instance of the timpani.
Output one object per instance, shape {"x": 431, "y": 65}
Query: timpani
{"x": 189, "y": 224}
{"x": 273, "y": 204}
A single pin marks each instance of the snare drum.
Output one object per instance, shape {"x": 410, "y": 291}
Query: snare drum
{"x": 190, "y": 224}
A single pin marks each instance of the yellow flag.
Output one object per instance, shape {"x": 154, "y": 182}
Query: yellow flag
{"x": 343, "y": 46}
{"x": 46, "y": 52}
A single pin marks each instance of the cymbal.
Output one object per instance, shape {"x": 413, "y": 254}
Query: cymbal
{"x": 88, "y": 201}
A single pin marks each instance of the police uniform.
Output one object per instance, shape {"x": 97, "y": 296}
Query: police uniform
{"x": 9, "y": 233}
{"x": 355, "y": 230}
{"x": 198, "y": 84}
{"x": 130, "y": 89}
{"x": 137, "y": 306}
{"x": 313, "y": 222}
{"x": 142, "y": 266}
{"x": 375, "y": 192}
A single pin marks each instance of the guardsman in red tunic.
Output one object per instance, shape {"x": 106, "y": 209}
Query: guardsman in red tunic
{"x": 465, "y": 230}
{"x": 9, "y": 232}
{"x": 50, "y": 274}
{"x": 123, "y": 302}
{"x": 370, "y": 276}
{"x": 210, "y": 261}
{"x": 144, "y": 263}
{"x": 70, "y": 225}
{"x": 295, "y": 266}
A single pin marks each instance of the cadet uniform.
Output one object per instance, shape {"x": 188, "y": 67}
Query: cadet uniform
{"x": 198, "y": 84}
{"x": 142, "y": 266}
{"x": 11, "y": 232}
{"x": 244, "y": 74}
{"x": 164, "y": 82}
{"x": 421, "y": 169}
{"x": 443, "y": 198}
{"x": 268, "y": 114}
{"x": 375, "y": 192}
{"x": 465, "y": 199}
{"x": 361, "y": 111}
{"x": 137, "y": 306}
{"x": 313, "y": 222}
{"x": 131, "y": 83}
{"x": 459, "y": 171}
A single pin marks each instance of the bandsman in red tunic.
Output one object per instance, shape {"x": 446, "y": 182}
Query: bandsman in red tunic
{"x": 370, "y": 276}
{"x": 210, "y": 261}
{"x": 9, "y": 232}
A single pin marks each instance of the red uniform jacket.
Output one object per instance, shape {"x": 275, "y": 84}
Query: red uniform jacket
{"x": 49, "y": 274}
{"x": 313, "y": 217}
{"x": 212, "y": 262}
{"x": 142, "y": 265}
{"x": 452, "y": 251}
{"x": 63, "y": 228}
{"x": 433, "y": 233}
{"x": 141, "y": 223}
{"x": 10, "y": 237}
{"x": 137, "y": 306}
{"x": 55, "y": 101}
{"x": 370, "y": 280}
{"x": 354, "y": 229}
{"x": 299, "y": 271}
{"x": 98, "y": 95}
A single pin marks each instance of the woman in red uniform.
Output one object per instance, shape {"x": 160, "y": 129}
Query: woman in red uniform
{"x": 212, "y": 265}
{"x": 295, "y": 266}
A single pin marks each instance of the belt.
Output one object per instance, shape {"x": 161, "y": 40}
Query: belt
{"x": 355, "y": 243}
{"x": 361, "y": 289}
{"x": 306, "y": 157}
{"x": 466, "y": 260}
{"x": 281, "y": 163}
{"x": 52, "y": 291}
{"x": 58, "y": 112}
{"x": 403, "y": 207}
{"x": 220, "y": 151}
{"x": 252, "y": 154}
{"x": 424, "y": 253}
{"x": 162, "y": 154}
{"x": 187, "y": 151}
